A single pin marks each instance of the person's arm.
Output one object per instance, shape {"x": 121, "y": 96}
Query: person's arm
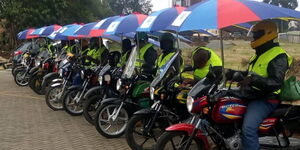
{"x": 276, "y": 73}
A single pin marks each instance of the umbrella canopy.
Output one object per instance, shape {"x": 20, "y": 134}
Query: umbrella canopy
{"x": 160, "y": 20}
{"x": 217, "y": 14}
{"x": 96, "y": 29}
{"x": 128, "y": 35}
{"x": 70, "y": 32}
{"x": 125, "y": 24}
{"x": 50, "y": 29}
{"x": 57, "y": 35}
{"x": 38, "y": 32}
{"x": 26, "y": 34}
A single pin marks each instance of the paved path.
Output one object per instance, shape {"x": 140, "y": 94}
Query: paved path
{"x": 26, "y": 123}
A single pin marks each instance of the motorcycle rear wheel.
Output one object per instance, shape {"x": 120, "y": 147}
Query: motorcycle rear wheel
{"x": 51, "y": 98}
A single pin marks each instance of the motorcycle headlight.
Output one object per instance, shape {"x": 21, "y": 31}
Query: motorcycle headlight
{"x": 119, "y": 84}
{"x": 189, "y": 103}
{"x": 37, "y": 63}
{"x": 100, "y": 79}
{"x": 152, "y": 93}
{"x": 82, "y": 74}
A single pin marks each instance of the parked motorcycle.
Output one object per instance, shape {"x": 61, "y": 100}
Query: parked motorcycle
{"x": 113, "y": 114}
{"x": 146, "y": 125}
{"x": 219, "y": 115}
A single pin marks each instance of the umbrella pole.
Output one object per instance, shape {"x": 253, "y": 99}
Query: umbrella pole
{"x": 222, "y": 52}
{"x": 177, "y": 36}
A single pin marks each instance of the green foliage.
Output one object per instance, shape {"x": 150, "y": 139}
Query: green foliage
{"x": 291, "y": 4}
{"x": 130, "y": 6}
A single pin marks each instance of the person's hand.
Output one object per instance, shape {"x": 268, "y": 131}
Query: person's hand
{"x": 245, "y": 82}
{"x": 229, "y": 74}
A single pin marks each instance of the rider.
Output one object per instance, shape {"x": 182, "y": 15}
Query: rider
{"x": 167, "y": 42}
{"x": 262, "y": 81}
{"x": 126, "y": 49}
{"x": 147, "y": 54}
{"x": 97, "y": 52}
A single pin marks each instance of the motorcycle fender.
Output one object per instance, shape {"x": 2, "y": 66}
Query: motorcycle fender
{"x": 145, "y": 111}
{"x": 56, "y": 84}
{"x": 111, "y": 101}
{"x": 92, "y": 91}
{"x": 189, "y": 129}
{"x": 49, "y": 76}
{"x": 38, "y": 72}
{"x": 57, "y": 80}
{"x": 75, "y": 87}
{"x": 34, "y": 69}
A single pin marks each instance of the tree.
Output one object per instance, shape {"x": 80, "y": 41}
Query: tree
{"x": 130, "y": 6}
{"x": 291, "y": 4}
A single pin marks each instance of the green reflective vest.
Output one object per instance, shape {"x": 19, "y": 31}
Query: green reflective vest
{"x": 70, "y": 49}
{"x": 213, "y": 61}
{"x": 95, "y": 54}
{"x": 123, "y": 60}
{"x": 260, "y": 67}
{"x": 140, "y": 57}
{"x": 49, "y": 48}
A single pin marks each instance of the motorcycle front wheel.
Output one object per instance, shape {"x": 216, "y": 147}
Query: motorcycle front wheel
{"x": 136, "y": 136}
{"x": 90, "y": 107}
{"x": 35, "y": 83}
{"x": 52, "y": 98}
{"x": 69, "y": 103}
{"x": 105, "y": 123}
{"x": 176, "y": 140}
{"x": 18, "y": 77}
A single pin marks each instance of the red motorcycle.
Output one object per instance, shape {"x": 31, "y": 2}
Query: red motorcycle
{"x": 219, "y": 117}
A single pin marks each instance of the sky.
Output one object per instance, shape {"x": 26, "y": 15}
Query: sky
{"x": 161, "y": 4}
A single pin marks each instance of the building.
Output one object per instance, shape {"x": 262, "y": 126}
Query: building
{"x": 185, "y": 3}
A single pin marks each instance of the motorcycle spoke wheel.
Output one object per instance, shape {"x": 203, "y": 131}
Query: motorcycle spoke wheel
{"x": 54, "y": 100}
{"x": 108, "y": 125}
{"x": 71, "y": 105}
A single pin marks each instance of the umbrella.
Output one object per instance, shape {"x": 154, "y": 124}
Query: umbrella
{"x": 96, "y": 29}
{"x": 70, "y": 32}
{"x": 57, "y": 35}
{"x": 218, "y": 14}
{"x": 125, "y": 24}
{"x": 26, "y": 34}
{"x": 50, "y": 29}
{"x": 38, "y": 31}
{"x": 160, "y": 20}
{"x": 130, "y": 35}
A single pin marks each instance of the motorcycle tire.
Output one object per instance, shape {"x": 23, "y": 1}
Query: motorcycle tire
{"x": 18, "y": 77}
{"x": 169, "y": 136}
{"x": 91, "y": 104}
{"x": 68, "y": 99}
{"x": 99, "y": 120}
{"x": 50, "y": 96}
{"x": 134, "y": 142}
{"x": 35, "y": 83}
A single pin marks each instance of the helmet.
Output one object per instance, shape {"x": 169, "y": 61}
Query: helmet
{"x": 263, "y": 32}
{"x": 142, "y": 36}
{"x": 167, "y": 36}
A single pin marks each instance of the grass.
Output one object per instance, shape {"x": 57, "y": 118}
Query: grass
{"x": 238, "y": 54}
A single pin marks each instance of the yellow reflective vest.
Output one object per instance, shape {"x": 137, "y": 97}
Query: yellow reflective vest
{"x": 140, "y": 57}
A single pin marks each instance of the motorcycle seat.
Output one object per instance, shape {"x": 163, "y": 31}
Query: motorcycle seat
{"x": 286, "y": 111}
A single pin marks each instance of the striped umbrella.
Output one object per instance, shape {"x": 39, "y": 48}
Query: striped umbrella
{"x": 50, "y": 29}
{"x": 125, "y": 24}
{"x": 160, "y": 20}
{"x": 57, "y": 35}
{"x": 96, "y": 29}
{"x": 218, "y": 14}
{"x": 23, "y": 35}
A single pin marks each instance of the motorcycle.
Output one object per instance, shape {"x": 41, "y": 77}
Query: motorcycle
{"x": 113, "y": 114}
{"x": 73, "y": 100}
{"x": 146, "y": 125}
{"x": 219, "y": 115}
{"x": 108, "y": 77}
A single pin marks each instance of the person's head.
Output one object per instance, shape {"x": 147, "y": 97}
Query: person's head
{"x": 94, "y": 42}
{"x": 200, "y": 58}
{"x": 84, "y": 43}
{"x": 167, "y": 41}
{"x": 72, "y": 42}
{"x": 142, "y": 38}
{"x": 262, "y": 33}
{"x": 126, "y": 45}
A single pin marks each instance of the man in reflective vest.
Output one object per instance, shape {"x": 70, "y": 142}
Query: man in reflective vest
{"x": 126, "y": 49}
{"x": 263, "y": 79}
{"x": 147, "y": 54}
{"x": 97, "y": 53}
{"x": 167, "y": 43}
